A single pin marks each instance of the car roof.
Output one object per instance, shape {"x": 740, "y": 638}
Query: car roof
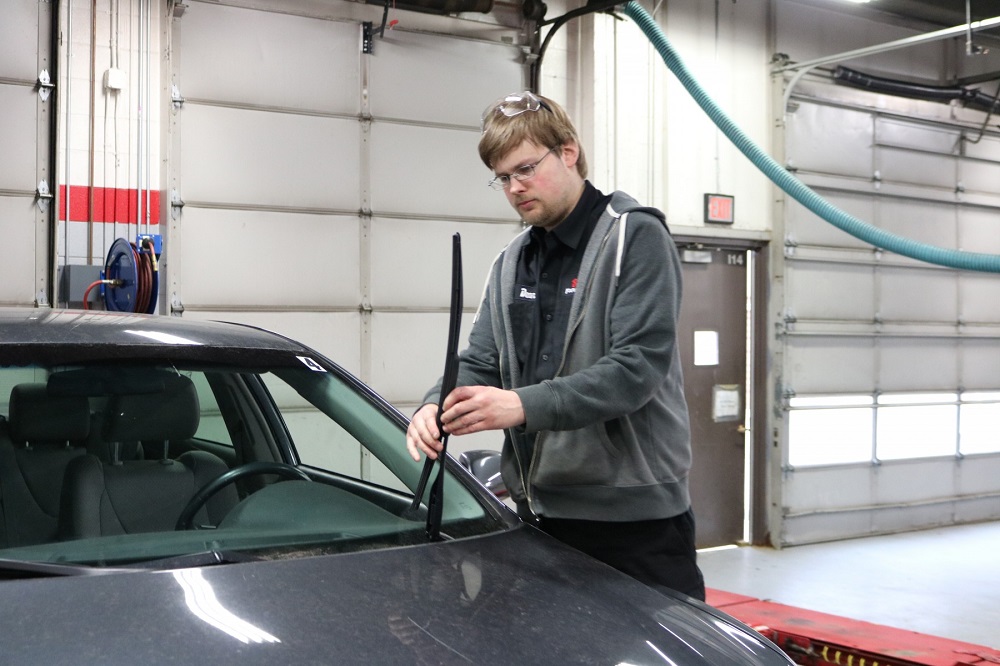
{"x": 41, "y": 328}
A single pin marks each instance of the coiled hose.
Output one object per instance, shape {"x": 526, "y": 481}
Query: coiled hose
{"x": 131, "y": 277}
{"x": 973, "y": 261}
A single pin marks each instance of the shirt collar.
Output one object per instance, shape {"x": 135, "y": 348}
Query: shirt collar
{"x": 571, "y": 230}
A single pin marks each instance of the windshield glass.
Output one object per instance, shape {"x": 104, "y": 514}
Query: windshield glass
{"x": 111, "y": 464}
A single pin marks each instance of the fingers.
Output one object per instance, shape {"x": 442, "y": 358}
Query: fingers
{"x": 470, "y": 409}
{"x": 467, "y": 409}
{"x": 460, "y": 394}
{"x": 422, "y": 434}
{"x": 462, "y": 409}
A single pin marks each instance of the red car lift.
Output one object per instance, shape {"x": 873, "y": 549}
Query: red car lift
{"x": 818, "y": 639}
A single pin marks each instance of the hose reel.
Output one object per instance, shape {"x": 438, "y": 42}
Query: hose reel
{"x": 130, "y": 280}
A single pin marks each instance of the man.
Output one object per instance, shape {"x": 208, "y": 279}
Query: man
{"x": 573, "y": 354}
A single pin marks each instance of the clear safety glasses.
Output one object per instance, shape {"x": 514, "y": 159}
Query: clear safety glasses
{"x": 525, "y": 172}
{"x": 513, "y": 105}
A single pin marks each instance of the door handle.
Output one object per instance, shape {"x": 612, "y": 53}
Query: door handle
{"x": 741, "y": 428}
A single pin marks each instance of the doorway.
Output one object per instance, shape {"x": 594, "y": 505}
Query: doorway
{"x": 714, "y": 333}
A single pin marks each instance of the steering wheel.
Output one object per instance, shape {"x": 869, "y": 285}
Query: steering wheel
{"x": 185, "y": 520}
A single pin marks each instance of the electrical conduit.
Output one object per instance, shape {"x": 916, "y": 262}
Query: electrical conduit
{"x": 973, "y": 261}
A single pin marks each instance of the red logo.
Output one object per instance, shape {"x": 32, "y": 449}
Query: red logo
{"x": 572, "y": 284}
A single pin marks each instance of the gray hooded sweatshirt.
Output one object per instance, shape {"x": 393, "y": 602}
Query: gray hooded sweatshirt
{"x": 612, "y": 440}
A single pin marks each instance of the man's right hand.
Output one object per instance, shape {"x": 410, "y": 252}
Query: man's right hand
{"x": 423, "y": 434}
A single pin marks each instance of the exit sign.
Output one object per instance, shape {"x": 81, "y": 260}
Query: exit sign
{"x": 719, "y": 208}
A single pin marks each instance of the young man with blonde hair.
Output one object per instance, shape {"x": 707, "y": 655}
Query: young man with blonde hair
{"x": 574, "y": 355}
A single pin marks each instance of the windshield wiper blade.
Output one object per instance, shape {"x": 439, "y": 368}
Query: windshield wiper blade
{"x": 448, "y": 382}
{"x": 32, "y": 569}
{"x": 205, "y": 558}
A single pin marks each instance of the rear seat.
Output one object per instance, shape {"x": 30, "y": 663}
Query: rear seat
{"x": 42, "y": 435}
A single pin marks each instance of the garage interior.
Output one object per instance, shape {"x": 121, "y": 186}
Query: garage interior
{"x": 301, "y": 164}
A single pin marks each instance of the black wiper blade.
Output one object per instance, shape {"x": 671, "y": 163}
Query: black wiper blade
{"x": 31, "y": 569}
{"x": 448, "y": 382}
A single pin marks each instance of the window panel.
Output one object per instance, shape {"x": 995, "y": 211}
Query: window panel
{"x": 916, "y": 432}
{"x": 830, "y": 401}
{"x": 981, "y": 396}
{"x": 979, "y": 428}
{"x": 916, "y": 398}
{"x": 319, "y": 440}
{"x": 829, "y": 436}
{"x": 837, "y": 429}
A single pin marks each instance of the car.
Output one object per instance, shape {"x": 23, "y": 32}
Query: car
{"x": 197, "y": 492}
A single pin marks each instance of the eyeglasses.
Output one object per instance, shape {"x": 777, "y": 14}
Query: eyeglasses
{"x": 526, "y": 172}
{"x": 513, "y": 105}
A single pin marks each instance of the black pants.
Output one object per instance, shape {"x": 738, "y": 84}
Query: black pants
{"x": 659, "y": 553}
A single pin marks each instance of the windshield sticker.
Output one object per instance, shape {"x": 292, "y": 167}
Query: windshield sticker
{"x": 311, "y": 364}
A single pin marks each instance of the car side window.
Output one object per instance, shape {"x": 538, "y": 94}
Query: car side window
{"x": 334, "y": 427}
{"x": 323, "y": 442}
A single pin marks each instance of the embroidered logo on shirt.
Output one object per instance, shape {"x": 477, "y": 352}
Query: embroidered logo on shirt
{"x": 525, "y": 294}
{"x": 571, "y": 289}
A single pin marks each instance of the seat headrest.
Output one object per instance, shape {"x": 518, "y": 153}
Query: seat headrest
{"x": 172, "y": 413}
{"x": 36, "y": 416}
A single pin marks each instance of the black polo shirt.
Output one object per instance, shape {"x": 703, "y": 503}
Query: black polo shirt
{"x": 547, "y": 272}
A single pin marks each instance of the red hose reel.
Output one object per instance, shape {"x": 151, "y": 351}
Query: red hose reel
{"x": 130, "y": 279}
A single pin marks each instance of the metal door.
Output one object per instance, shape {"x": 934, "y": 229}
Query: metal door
{"x": 712, "y": 332}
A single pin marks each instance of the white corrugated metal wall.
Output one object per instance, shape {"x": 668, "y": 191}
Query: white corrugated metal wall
{"x": 25, "y": 113}
{"x": 887, "y": 362}
{"x": 644, "y": 133}
{"x": 321, "y": 184}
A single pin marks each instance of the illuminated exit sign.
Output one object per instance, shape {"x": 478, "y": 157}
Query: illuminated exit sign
{"x": 719, "y": 208}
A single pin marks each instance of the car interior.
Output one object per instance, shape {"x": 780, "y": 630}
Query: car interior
{"x": 117, "y": 451}
{"x": 38, "y": 440}
{"x": 70, "y": 471}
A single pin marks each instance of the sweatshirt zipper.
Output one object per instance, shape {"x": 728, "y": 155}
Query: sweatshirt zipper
{"x": 502, "y": 357}
{"x": 526, "y": 479}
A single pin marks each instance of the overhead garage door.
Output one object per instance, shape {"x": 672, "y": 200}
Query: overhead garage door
{"x": 886, "y": 369}
{"x": 891, "y": 371}
{"x": 25, "y": 27}
{"x": 321, "y": 185}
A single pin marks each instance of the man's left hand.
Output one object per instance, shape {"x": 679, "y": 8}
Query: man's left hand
{"x": 470, "y": 409}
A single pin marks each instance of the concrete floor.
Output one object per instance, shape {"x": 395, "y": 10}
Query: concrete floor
{"x": 942, "y": 582}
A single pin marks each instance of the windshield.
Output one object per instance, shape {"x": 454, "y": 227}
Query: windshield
{"x": 115, "y": 464}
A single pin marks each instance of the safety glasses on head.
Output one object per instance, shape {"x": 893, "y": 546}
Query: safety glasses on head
{"x": 512, "y": 105}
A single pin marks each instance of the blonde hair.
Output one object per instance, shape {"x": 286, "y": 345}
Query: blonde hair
{"x": 549, "y": 126}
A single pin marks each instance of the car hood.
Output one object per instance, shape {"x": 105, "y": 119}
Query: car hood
{"x": 513, "y": 597}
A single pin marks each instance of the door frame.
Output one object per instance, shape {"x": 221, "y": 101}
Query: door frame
{"x": 758, "y": 272}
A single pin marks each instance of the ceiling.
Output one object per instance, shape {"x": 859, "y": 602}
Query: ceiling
{"x": 946, "y": 13}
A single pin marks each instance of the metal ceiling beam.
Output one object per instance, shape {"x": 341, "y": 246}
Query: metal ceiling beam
{"x": 934, "y": 36}
{"x": 802, "y": 68}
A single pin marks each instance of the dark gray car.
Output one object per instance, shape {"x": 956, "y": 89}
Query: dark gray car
{"x": 176, "y": 491}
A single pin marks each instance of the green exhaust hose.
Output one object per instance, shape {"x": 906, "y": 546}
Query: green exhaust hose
{"x": 973, "y": 261}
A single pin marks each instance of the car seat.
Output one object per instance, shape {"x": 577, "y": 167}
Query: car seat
{"x": 114, "y": 495}
{"x": 43, "y": 435}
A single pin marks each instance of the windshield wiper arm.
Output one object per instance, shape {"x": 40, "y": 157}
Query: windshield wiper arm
{"x": 205, "y": 558}
{"x": 32, "y": 569}
{"x": 448, "y": 382}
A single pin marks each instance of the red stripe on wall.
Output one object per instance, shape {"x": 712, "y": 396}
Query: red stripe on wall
{"x": 110, "y": 205}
